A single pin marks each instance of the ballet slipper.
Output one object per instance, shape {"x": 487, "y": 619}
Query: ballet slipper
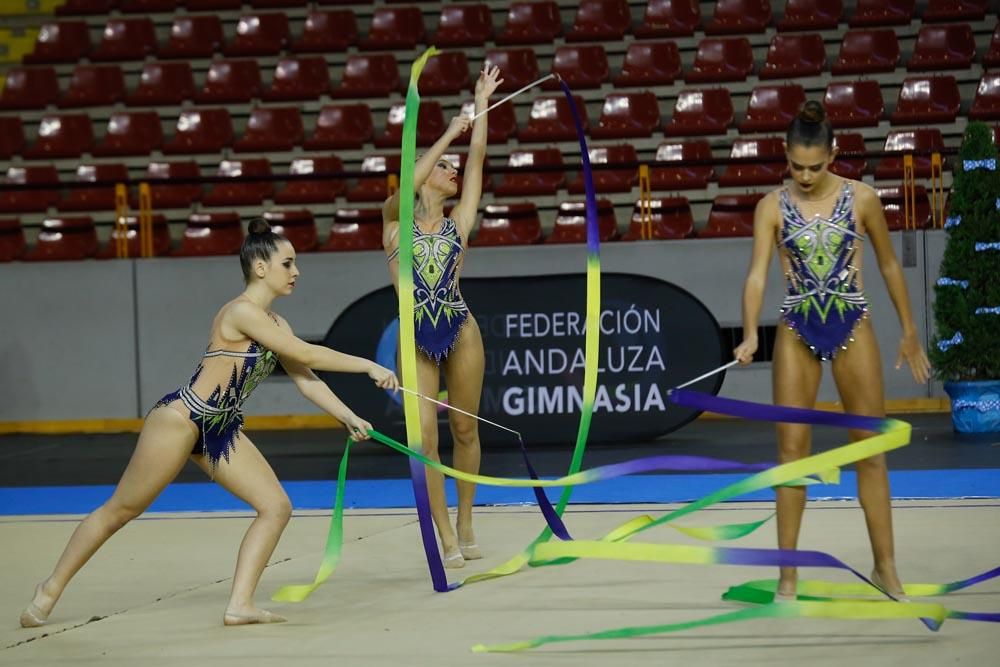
{"x": 470, "y": 551}
{"x": 33, "y": 616}
{"x": 877, "y": 580}
{"x": 454, "y": 559}
{"x": 259, "y": 616}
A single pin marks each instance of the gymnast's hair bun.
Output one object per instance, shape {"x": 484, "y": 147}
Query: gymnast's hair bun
{"x": 258, "y": 226}
{"x": 812, "y": 112}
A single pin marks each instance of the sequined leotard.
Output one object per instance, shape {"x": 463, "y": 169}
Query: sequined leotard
{"x": 825, "y": 300}
{"x": 439, "y": 310}
{"x": 215, "y": 395}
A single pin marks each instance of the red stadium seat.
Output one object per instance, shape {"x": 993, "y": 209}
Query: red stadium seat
{"x": 131, "y": 133}
{"x": 271, "y": 129}
{"x": 29, "y": 88}
{"x": 310, "y": 191}
{"x": 791, "y": 56}
{"x": 298, "y": 227}
{"x": 298, "y": 79}
{"x": 509, "y": 224}
{"x": 126, "y": 39}
{"x": 161, "y": 238}
{"x": 739, "y": 17}
{"x": 772, "y": 108}
{"x": 847, "y": 165}
{"x": 811, "y": 15}
{"x": 927, "y": 100}
{"x": 627, "y": 115}
{"x": 94, "y": 86}
{"x": 669, "y": 18}
{"x": 571, "y": 222}
{"x": 64, "y": 239}
{"x": 519, "y": 67}
{"x": 721, "y": 59}
{"x": 375, "y": 75}
{"x": 175, "y": 195}
{"x": 987, "y": 103}
{"x": 60, "y": 42}
{"x": 341, "y": 126}
{"x": 193, "y": 36}
{"x": 28, "y": 201}
{"x": 374, "y": 188}
{"x": 163, "y": 84}
{"x": 600, "y": 21}
{"x": 525, "y": 181}
{"x": 59, "y": 136}
{"x": 259, "y": 34}
{"x": 731, "y": 215}
{"x": 327, "y": 31}
{"x": 882, "y": 12}
{"x": 607, "y": 180}
{"x": 148, "y": 6}
{"x": 668, "y": 218}
{"x": 430, "y": 125}
{"x": 240, "y": 193}
{"x": 650, "y": 64}
{"x": 211, "y": 234}
{"x": 867, "y": 52}
{"x": 205, "y": 5}
{"x": 700, "y": 112}
{"x": 909, "y": 141}
{"x": 355, "y": 229}
{"x": 552, "y": 120}
{"x": 579, "y": 66}
{"x": 955, "y": 10}
{"x": 894, "y": 207}
{"x": 694, "y": 168}
{"x": 97, "y": 198}
{"x": 12, "y": 244}
{"x": 201, "y": 131}
{"x": 11, "y": 136}
{"x": 992, "y": 57}
{"x": 445, "y": 74}
{"x": 394, "y": 28}
{"x": 230, "y": 81}
{"x": 531, "y": 23}
{"x": 463, "y": 25}
{"x": 943, "y": 47}
{"x": 501, "y": 127}
{"x": 854, "y": 103}
{"x": 755, "y": 173}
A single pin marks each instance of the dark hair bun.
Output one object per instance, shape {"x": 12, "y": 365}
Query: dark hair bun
{"x": 258, "y": 226}
{"x": 812, "y": 112}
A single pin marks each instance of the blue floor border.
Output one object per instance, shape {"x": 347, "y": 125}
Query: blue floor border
{"x": 394, "y": 493}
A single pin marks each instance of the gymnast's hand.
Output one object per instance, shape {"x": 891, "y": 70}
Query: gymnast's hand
{"x": 459, "y": 124}
{"x": 745, "y": 351}
{"x": 357, "y": 427}
{"x": 384, "y": 378}
{"x": 488, "y": 82}
{"x": 912, "y": 352}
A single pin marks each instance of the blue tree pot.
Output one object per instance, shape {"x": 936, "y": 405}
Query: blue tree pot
{"x": 975, "y": 406}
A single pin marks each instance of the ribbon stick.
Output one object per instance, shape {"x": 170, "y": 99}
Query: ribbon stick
{"x": 516, "y": 93}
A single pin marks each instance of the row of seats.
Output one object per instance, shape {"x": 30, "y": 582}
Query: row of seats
{"x": 753, "y": 162}
{"x": 459, "y": 25}
{"x": 933, "y": 100}
{"x": 74, "y": 238}
{"x": 582, "y": 67}
{"x": 716, "y": 59}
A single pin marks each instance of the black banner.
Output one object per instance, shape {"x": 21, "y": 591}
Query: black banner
{"x": 654, "y": 336}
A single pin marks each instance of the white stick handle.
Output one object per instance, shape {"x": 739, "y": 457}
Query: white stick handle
{"x": 452, "y": 407}
{"x": 514, "y": 94}
{"x": 709, "y": 374}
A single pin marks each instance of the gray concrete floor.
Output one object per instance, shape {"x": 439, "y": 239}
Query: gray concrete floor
{"x": 154, "y": 595}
